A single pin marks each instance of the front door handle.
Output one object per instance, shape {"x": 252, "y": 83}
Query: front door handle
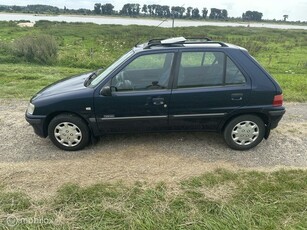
{"x": 237, "y": 96}
{"x": 158, "y": 101}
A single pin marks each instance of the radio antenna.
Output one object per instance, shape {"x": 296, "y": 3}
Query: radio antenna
{"x": 164, "y": 20}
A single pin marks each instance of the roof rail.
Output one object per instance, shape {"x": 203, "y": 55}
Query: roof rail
{"x": 208, "y": 42}
{"x": 180, "y": 41}
{"x": 199, "y": 39}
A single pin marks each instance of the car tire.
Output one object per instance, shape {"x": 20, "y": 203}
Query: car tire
{"x": 244, "y": 132}
{"x": 69, "y": 132}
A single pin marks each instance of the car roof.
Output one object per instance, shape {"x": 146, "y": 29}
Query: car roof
{"x": 184, "y": 43}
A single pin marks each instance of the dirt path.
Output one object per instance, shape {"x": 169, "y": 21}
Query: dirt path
{"x": 34, "y": 165}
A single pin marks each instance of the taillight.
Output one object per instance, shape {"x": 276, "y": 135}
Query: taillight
{"x": 278, "y": 100}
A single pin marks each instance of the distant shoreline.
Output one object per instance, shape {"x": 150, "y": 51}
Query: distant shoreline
{"x": 147, "y": 21}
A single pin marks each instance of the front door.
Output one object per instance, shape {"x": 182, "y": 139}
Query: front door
{"x": 140, "y": 96}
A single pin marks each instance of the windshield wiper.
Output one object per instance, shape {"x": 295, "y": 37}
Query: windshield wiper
{"x": 91, "y": 77}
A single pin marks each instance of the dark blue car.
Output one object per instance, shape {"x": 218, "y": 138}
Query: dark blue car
{"x": 175, "y": 84}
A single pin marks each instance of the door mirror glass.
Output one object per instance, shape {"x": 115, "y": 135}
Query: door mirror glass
{"x": 106, "y": 91}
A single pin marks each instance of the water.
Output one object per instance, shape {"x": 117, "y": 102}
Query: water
{"x": 139, "y": 21}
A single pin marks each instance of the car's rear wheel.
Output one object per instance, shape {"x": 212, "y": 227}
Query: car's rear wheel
{"x": 244, "y": 132}
{"x": 68, "y": 132}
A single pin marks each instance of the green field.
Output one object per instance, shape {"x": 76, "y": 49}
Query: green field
{"x": 85, "y": 47}
{"x": 217, "y": 200}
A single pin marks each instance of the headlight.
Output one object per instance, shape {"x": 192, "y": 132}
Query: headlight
{"x": 30, "y": 109}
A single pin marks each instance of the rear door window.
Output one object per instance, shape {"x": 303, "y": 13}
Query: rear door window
{"x": 203, "y": 69}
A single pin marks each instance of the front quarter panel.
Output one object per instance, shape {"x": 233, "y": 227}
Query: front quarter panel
{"x": 80, "y": 103}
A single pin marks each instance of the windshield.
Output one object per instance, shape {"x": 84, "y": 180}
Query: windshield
{"x": 106, "y": 72}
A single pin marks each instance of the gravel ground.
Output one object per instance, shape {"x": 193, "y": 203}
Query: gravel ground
{"x": 33, "y": 164}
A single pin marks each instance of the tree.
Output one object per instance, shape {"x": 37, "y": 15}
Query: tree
{"x": 130, "y": 9}
{"x": 154, "y": 9}
{"x": 166, "y": 11}
{"x": 181, "y": 10}
{"x": 286, "y": 17}
{"x": 215, "y": 13}
{"x": 41, "y": 9}
{"x": 145, "y": 9}
{"x": 17, "y": 8}
{"x": 252, "y": 16}
{"x": 205, "y": 13}
{"x": 83, "y": 11}
{"x": 126, "y": 10}
{"x": 150, "y": 10}
{"x": 97, "y": 8}
{"x": 195, "y": 13}
{"x": 177, "y": 11}
{"x": 136, "y": 9}
{"x": 158, "y": 11}
{"x": 189, "y": 10}
{"x": 224, "y": 14}
{"x": 218, "y": 14}
{"x": 107, "y": 9}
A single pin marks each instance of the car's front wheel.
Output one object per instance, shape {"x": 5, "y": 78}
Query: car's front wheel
{"x": 244, "y": 132}
{"x": 68, "y": 132}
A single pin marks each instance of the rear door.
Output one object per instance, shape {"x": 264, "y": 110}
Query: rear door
{"x": 209, "y": 86}
{"x": 140, "y": 95}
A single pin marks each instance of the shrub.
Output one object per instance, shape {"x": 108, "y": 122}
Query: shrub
{"x": 41, "y": 49}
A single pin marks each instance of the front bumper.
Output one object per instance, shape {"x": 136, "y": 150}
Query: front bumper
{"x": 37, "y": 122}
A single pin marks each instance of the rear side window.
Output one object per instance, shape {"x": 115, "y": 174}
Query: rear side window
{"x": 233, "y": 74}
{"x": 200, "y": 69}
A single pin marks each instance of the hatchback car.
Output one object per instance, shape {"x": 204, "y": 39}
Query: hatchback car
{"x": 173, "y": 84}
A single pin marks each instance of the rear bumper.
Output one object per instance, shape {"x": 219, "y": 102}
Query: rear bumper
{"x": 37, "y": 122}
{"x": 275, "y": 117}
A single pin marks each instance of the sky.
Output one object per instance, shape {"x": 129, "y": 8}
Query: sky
{"x": 271, "y": 9}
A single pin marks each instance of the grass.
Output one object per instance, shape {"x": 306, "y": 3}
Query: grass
{"x": 84, "y": 47}
{"x": 217, "y": 200}
{"x": 24, "y": 80}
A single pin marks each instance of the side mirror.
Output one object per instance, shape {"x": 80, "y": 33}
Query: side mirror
{"x": 106, "y": 91}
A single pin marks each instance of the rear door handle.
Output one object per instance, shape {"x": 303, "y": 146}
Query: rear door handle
{"x": 236, "y": 96}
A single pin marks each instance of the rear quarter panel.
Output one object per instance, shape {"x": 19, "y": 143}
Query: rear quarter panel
{"x": 264, "y": 87}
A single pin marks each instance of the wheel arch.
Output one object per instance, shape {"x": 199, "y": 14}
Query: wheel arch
{"x": 54, "y": 114}
{"x": 262, "y": 116}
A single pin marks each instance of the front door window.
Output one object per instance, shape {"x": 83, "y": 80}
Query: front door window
{"x": 147, "y": 72}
